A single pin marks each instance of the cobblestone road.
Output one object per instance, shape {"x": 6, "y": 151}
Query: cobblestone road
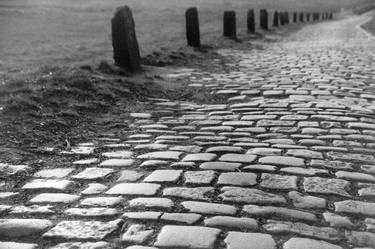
{"x": 287, "y": 162}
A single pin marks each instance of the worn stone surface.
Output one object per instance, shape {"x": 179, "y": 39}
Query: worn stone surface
{"x": 273, "y": 181}
{"x": 238, "y": 240}
{"x": 247, "y": 195}
{"x": 355, "y": 207}
{"x": 269, "y": 211}
{"x": 239, "y": 179}
{"x": 82, "y": 230}
{"x": 147, "y": 189}
{"x": 297, "y": 243}
{"x": 231, "y": 222}
{"x": 187, "y": 237}
{"x": 324, "y": 233}
{"x": 320, "y": 185}
{"x": 23, "y": 227}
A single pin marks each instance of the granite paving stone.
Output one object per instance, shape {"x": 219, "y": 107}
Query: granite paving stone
{"x": 321, "y": 185}
{"x": 198, "y": 193}
{"x": 283, "y": 161}
{"x": 336, "y": 220}
{"x": 82, "y": 230}
{"x": 48, "y": 184}
{"x": 163, "y": 176}
{"x": 54, "y": 198}
{"x": 297, "y": 243}
{"x": 238, "y": 179}
{"x": 187, "y": 237}
{"x": 147, "y": 189}
{"x": 15, "y": 228}
{"x": 239, "y": 240}
{"x": 305, "y": 201}
{"x": 266, "y": 211}
{"x": 202, "y": 177}
{"x": 249, "y": 195}
{"x": 209, "y": 208}
{"x": 163, "y": 203}
{"x": 324, "y": 233}
{"x": 186, "y": 218}
{"x": 231, "y": 222}
{"x": 136, "y": 233}
{"x": 282, "y": 182}
{"x": 102, "y": 201}
{"x": 240, "y": 158}
{"x": 355, "y": 207}
{"x": 93, "y": 174}
{"x": 17, "y": 245}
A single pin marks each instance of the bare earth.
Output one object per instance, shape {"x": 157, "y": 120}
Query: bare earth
{"x": 285, "y": 160}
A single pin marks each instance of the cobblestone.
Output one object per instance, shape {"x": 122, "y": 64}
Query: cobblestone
{"x": 187, "y": 237}
{"x": 292, "y": 140}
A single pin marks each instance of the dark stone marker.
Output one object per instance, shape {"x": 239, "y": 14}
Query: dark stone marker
{"x": 301, "y": 17}
{"x": 295, "y": 17}
{"x": 330, "y": 15}
{"x": 307, "y": 17}
{"x": 124, "y": 40}
{"x": 276, "y": 19}
{"x": 230, "y": 24}
{"x": 282, "y": 18}
{"x": 192, "y": 27}
{"x": 317, "y": 16}
{"x": 251, "y": 21}
{"x": 264, "y": 19}
{"x": 287, "y": 17}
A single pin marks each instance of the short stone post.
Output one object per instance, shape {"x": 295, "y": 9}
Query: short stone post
{"x": 264, "y": 19}
{"x": 124, "y": 41}
{"x": 301, "y": 17}
{"x": 295, "y": 17}
{"x": 251, "y": 21}
{"x": 282, "y": 18}
{"x": 230, "y": 24}
{"x": 330, "y": 15}
{"x": 317, "y": 16}
{"x": 276, "y": 19}
{"x": 287, "y": 17}
{"x": 192, "y": 28}
{"x": 307, "y": 17}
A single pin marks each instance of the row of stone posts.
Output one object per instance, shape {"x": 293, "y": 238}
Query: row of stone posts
{"x": 125, "y": 45}
{"x": 229, "y": 22}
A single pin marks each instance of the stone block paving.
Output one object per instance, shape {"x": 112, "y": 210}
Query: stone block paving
{"x": 286, "y": 162}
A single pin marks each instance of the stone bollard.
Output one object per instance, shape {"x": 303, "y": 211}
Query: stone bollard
{"x": 295, "y": 17}
{"x": 230, "y": 24}
{"x": 124, "y": 41}
{"x": 301, "y": 17}
{"x": 192, "y": 28}
{"x": 282, "y": 18}
{"x": 307, "y": 17}
{"x": 276, "y": 19}
{"x": 264, "y": 19}
{"x": 251, "y": 21}
{"x": 330, "y": 15}
{"x": 287, "y": 17}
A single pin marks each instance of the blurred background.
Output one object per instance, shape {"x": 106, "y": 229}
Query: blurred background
{"x": 35, "y": 33}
